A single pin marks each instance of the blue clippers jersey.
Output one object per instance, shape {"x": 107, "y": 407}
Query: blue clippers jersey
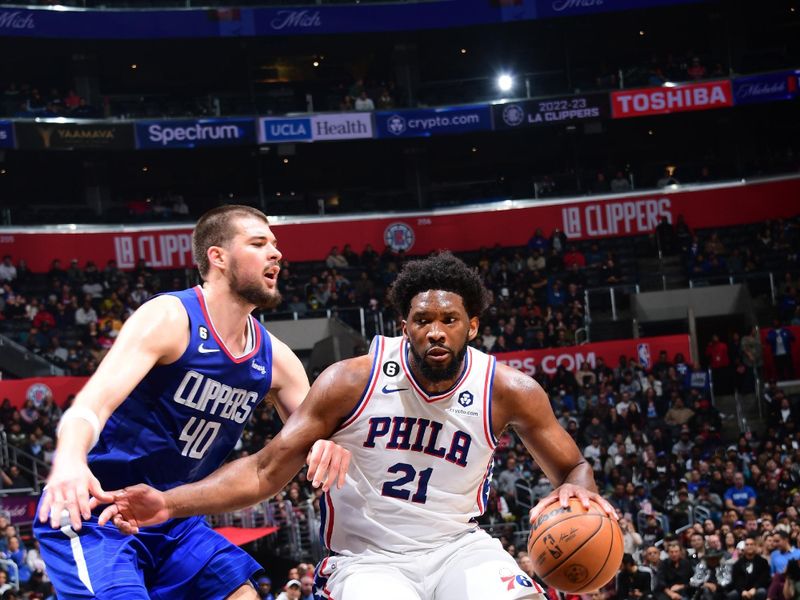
{"x": 183, "y": 419}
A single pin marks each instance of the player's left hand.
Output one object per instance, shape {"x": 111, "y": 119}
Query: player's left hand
{"x": 564, "y": 492}
{"x": 327, "y": 462}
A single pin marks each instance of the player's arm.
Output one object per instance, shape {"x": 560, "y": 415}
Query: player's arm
{"x": 156, "y": 333}
{"x": 521, "y": 403}
{"x": 289, "y": 381}
{"x": 288, "y": 390}
{"x": 251, "y": 479}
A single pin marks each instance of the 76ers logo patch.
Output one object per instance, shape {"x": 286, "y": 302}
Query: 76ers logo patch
{"x": 512, "y": 580}
{"x": 399, "y": 236}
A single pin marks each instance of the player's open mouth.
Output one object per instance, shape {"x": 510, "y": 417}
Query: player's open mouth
{"x": 272, "y": 273}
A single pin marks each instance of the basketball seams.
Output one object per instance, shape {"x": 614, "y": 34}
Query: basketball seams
{"x": 583, "y": 543}
{"x": 608, "y": 555}
{"x": 541, "y": 533}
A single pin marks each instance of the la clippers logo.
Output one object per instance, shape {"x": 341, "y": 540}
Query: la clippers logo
{"x": 513, "y": 115}
{"x": 399, "y": 236}
{"x": 465, "y": 399}
{"x": 513, "y": 579}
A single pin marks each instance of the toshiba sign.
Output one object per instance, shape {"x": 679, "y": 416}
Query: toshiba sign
{"x": 662, "y": 100}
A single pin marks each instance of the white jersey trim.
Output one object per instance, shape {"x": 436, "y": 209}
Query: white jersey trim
{"x": 374, "y": 375}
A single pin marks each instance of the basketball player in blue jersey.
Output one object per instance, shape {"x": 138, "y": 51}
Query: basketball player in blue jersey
{"x": 166, "y": 406}
{"x": 421, "y": 415}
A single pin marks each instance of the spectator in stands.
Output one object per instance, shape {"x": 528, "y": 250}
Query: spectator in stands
{"x": 751, "y": 574}
{"x": 539, "y": 242}
{"x": 668, "y": 178}
{"x": 783, "y": 553}
{"x": 364, "y": 102}
{"x": 17, "y": 554}
{"x": 385, "y": 100}
{"x": 4, "y": 584}
{"x": 291, "y": 591}
{"x": 696, "y": 69}
{"x": 86, "y": 315}
{"x": 780, "y": 340}
{"x": 573, "y": 256}
{"x": 633, "y": 583}
{"x": 336, "y": 260}
{"x": 620, "y": 183}
{"x": 72, "y": 100}
{"x": 600, "y": 184}
{"x": 306, "y": 587}
{"x": 265, "y": 588}
{"x": 718, "y": 356}
{"x": 674, "y": 575}
{"x": 8, "y": 272}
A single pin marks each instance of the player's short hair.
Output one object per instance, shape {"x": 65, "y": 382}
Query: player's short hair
{"x": 215, "y": 228}
{"x": 441, "y": 271}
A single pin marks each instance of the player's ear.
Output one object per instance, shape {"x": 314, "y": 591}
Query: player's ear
{"x": 216, "y": 256}
{"x": 473, "y": 328}
{"x": 403, "y": 328}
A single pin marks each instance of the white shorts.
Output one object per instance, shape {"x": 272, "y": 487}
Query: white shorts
{"x": 473, "y": 567}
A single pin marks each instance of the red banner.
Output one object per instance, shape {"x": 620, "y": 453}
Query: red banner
{"x": 58, "y": 388}
{"x": 643, "y": 350}
{"x": 680, "y": 98}
{"x": 509, "y": 223}
{"x": 769, "y": 360}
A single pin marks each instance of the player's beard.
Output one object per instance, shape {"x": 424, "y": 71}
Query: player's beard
{"x": 252, "y": 289}
{"x": 444, "y": 373}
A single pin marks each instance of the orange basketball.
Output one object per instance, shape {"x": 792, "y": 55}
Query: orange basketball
{"x": 573, "y": 549}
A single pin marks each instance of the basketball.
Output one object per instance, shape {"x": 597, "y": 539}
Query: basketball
{"x": 573, "y": 549}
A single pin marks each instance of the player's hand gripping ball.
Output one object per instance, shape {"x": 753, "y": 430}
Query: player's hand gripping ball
{"x": 573, "y": 549}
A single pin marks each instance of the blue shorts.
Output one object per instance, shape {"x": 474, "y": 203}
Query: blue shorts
{"x": 183, "y": 558}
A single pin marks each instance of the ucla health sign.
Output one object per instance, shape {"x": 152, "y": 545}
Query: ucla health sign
{"x": 195, "y": 133}
{"x": 316, "y": 128}
{"x": 769, "y": 87}
{"x": 6, "y": 134}
{"x": 432, "y": 121}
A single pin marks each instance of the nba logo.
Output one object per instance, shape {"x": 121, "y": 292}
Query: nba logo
{"x": 465, "y": 399}
{"x": 644, "y": 355}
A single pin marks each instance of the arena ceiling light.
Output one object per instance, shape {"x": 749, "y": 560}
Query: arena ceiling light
{"x": 505, "y": 82}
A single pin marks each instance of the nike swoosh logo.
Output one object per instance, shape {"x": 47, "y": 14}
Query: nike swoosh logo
{"x": 202, "y": 350}
{"x": 386, "y": 390}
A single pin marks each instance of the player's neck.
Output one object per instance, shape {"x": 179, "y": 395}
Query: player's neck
{"x": 229, "y": 314}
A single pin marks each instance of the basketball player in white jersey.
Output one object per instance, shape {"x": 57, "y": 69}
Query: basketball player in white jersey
{"x": 421, "y": 415}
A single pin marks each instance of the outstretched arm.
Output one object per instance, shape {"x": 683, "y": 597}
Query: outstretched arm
{"x": 248, "y": 480}
{"x": 157, "y": 333}
{"x": 521, "y": 403}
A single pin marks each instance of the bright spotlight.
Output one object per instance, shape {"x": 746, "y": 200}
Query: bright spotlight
{"x": 505, "y": 82}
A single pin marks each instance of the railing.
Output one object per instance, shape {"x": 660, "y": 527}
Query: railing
{"x": 295, "y": 536}
{"x": 611, "y": 297}
{"x": 28, "y": 464}
{"x": 367, "y": 322}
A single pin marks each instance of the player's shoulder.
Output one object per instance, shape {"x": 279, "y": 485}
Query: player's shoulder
{"x": 509, "y": 381}
{"x": 349, "y": 375}
{"x": 163, "y": 309}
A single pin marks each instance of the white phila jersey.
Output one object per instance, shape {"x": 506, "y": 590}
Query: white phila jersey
{"x": 421, "y": 462}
